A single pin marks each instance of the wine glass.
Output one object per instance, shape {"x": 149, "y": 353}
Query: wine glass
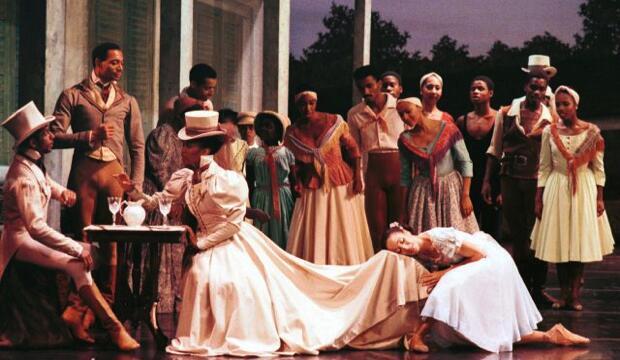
{"x": 164, "y": 208}
{"x": 114, "y": 205}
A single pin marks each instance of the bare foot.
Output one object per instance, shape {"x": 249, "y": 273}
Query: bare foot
{"x": 560, "y": 335}
{"x": 417, "y": 344}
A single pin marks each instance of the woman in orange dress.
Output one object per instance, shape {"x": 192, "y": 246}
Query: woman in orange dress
{"x": 329, "y": 221}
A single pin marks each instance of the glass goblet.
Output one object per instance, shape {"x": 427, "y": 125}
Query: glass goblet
{"x": 114, "y": 205}
{"x": 164, "y": 208}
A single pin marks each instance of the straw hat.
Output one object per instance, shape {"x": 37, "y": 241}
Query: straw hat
{"x": 200, "y": 124}
{"x": 542, "y": 62}
{"x": 246, "y": 118}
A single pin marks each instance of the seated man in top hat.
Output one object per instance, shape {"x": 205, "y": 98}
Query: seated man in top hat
{"x": 28, "y": 238}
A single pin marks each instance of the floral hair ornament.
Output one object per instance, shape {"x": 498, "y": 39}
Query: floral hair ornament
{"x": 396, "y": 225}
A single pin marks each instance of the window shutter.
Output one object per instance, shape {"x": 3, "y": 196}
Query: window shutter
{"x": 9, "y": 40}
{"x": 130, "y": 23}
{"x": 218, "y": 41}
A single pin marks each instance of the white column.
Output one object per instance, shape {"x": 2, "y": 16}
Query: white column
{"x": 276, "y": 27}
{"x": 361, "y": 38}
{"x": 66, "y": 63}
{"x": 175, "y": 47}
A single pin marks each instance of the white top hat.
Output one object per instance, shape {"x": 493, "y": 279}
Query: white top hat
{"x": 540, "y": 61}
{"x": 246, "y": 118}
{"x": 200, "y": 124}
{"x": 25, "y": 121}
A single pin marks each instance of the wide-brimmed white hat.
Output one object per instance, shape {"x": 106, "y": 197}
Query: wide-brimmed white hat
{"x": 25, "y": 121}
{"x": 200, "y": 124}
{"x": 542, "y": 62}
{"x": 246, "y": 118}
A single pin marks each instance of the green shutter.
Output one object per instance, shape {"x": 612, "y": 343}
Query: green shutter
{"x": 218, "y": 41}
{"x": 130, "y": 23}
{"x": 9, "y": 40}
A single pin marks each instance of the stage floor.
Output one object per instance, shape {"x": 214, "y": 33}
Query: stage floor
{"x": 600, "y": 321}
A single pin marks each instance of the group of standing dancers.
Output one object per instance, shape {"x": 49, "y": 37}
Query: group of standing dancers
{"x": 396, "y": 175}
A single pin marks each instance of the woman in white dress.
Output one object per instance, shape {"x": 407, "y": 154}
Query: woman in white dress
{"x": 571, "y": 227}
{"x": 244, "y": 296}
{"x": 478, "y": 298}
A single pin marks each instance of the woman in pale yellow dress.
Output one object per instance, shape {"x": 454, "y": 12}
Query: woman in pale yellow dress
{"x": 571, "y": 227}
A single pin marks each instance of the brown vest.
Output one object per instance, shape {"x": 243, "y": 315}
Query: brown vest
{"x": 521, "y": 153}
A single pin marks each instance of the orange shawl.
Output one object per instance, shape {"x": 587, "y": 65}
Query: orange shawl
{"x": 584, "y": 154}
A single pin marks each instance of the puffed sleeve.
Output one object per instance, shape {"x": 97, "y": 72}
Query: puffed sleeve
{"x": 354, "y": 129}
{"x": 447, "y": 240}
{"x": 174, "y": 190}
{"x": 462, "y": 159}
{"x": 598, "y": 168}
{"x": 545, "y": 166}
{"x": 348, "y": 142}
{"x": 27, "y": 196}
{"x": 229, "y": 191}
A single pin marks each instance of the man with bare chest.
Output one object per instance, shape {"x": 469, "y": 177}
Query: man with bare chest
{"x": 515, "y": 147}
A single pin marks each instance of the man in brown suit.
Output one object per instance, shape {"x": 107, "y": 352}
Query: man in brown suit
{"x": 102, "y": 116}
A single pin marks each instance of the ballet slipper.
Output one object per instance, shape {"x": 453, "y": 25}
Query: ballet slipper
{"x": 559, "y": 335}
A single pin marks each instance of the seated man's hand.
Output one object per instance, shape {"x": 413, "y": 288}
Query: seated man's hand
{"x": 124, "y": 181}
{"x": 68, "y": 198}
{"x": 87, "y": 259}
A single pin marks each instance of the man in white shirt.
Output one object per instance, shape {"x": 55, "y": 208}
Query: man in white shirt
{"x": 375, "y": 124}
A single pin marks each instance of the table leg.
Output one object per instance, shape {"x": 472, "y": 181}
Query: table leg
{"x": 136, "y": 280}
{"x": 152, "y": 299}
{"x": 124, "y": 302}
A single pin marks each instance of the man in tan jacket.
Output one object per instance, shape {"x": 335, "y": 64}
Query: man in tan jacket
{"x": 102, "y": 116}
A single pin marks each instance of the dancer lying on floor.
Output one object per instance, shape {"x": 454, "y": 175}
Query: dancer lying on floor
{"x": 244, "y": 296}
{"x": 478, "y": 298}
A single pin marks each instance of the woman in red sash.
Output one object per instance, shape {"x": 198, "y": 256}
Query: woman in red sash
{"x": 436, "y": 170}
{"x": 571, "y": 227}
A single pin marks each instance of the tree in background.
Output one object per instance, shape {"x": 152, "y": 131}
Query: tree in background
{"x": 591, "y": 66}
{"x": 601, "y": 27}
{"x": 327, "y": 63}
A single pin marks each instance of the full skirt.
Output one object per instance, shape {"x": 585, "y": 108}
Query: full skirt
{"x": 569, "y": 229}
{"x": 484, "y": 302}
{"x": 329, "y": 227}
{"x": 248, "y": 297}
{"x": 428, "y": 210}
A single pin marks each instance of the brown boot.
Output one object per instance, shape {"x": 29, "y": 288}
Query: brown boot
{"x": 73, "y": 319}
{"x": 119, "y": 336}
{"x": 89, "y": 319}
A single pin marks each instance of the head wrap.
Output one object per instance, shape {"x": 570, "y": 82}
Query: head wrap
{"x": 412, "y": 100}
{"x": 310, "y": 93}
{"x": 426, "y": 76}
{"x": 571, "y": 92}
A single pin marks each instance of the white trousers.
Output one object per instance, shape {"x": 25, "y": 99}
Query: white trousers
{"x": 34, "y": 252}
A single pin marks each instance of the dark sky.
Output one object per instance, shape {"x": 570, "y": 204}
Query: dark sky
{"x": 477, "y": 23}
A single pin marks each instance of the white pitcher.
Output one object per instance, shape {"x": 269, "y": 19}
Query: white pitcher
{"x": 133, "y": 213}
